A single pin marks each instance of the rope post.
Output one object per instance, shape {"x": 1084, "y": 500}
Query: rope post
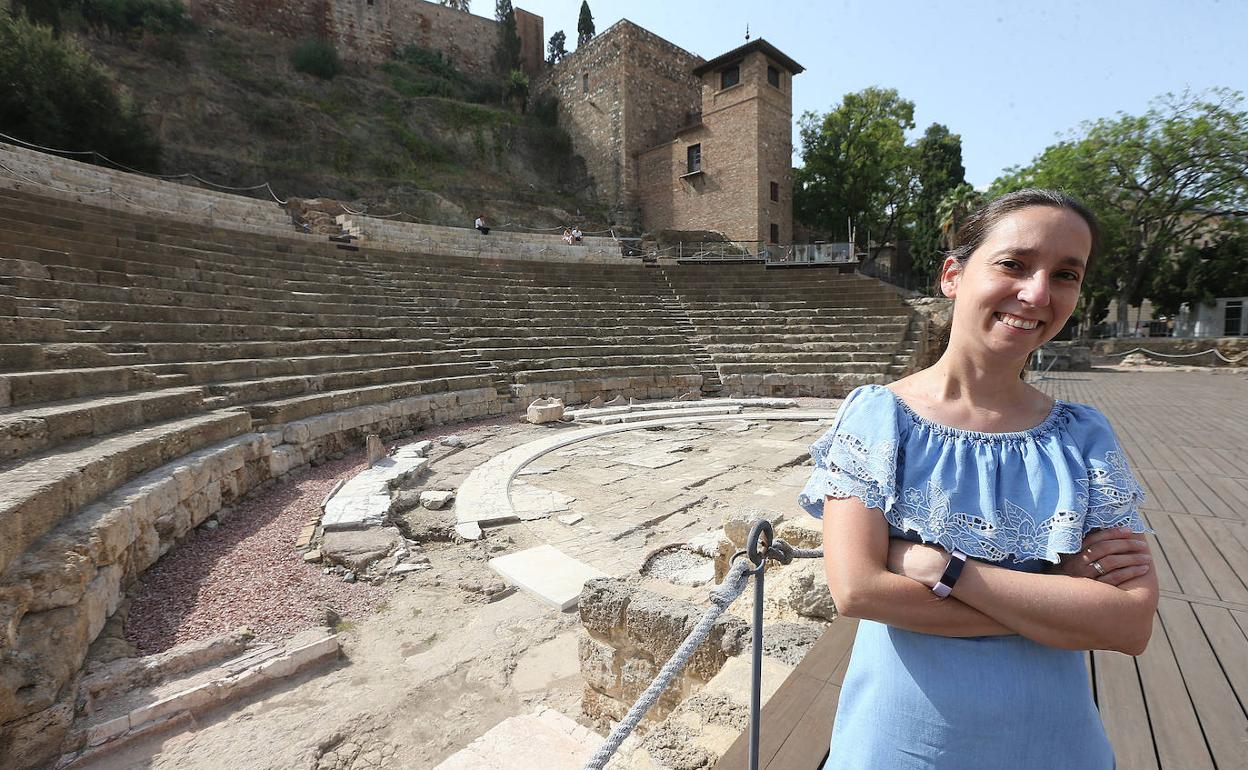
{"x": 757, "y": 547}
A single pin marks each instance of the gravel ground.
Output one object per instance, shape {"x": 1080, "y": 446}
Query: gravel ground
{"x": 247, "y": 571}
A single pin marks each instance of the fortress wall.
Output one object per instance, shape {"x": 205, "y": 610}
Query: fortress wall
{"x": 372, "y": 30}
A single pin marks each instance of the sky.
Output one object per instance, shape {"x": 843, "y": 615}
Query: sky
{"x": 1010, "y": 77}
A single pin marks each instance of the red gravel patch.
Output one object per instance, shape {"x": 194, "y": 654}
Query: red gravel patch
{"x": 248, "y": 573}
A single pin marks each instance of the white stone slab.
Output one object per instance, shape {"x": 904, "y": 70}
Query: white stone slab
{"x": 547, "y": 573}
{"x": 546, "y": 740}
{"x": 356, "y": 512}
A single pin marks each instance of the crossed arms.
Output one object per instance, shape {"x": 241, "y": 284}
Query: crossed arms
{"x": 875, "y": 578}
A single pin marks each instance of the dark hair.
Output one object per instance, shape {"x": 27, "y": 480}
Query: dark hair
{"x": 979, "y": 224}
{"x": 975, "y": 229}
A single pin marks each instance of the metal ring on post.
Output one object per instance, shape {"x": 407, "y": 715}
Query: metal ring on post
{"x": 761, "y": 531}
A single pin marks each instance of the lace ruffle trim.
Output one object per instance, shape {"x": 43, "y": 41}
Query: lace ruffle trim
{"x": 1107, "y": 497}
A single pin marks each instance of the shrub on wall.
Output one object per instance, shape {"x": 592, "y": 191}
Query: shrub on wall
{"x": 317, "y": 58}
{"x": 56, "y": 95}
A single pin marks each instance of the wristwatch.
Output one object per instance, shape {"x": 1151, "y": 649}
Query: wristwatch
{"x": 944, "y": 587}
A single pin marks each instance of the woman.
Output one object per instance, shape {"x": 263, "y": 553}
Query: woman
{"x": 984, "y": 533}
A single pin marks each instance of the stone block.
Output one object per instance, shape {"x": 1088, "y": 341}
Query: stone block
{"x": 435, "y": 500}
{"x": 358, "y": 549}
{"x": 375, "y": 449}
{"x": 600, "y": 667}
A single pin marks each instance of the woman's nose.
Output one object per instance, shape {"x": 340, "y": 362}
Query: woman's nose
{"x": 1035, "y": 290}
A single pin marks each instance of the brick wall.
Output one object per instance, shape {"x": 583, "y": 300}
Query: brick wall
{"x": 372, "y": 30}
{"x": 746, "y": 145}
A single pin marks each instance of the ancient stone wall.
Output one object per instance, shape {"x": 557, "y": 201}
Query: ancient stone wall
{"x": 372, "y": 30}
{"x": 631, "y": 634}
{"x": 619, "y": 94}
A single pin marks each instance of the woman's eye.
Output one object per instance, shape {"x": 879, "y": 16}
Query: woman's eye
{"x": 1009, "y": 264}
{"x": 1067, "y": 275}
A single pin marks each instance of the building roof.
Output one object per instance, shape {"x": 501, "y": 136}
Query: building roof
{"x": 767, "y": 49}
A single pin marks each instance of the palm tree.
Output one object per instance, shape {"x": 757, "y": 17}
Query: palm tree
{"x": 953, "y": 210}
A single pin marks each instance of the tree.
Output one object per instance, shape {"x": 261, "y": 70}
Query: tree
{"x": 856, "y": 166}
{"x": 954, "y": 208}
{"x": 555, "y": 50}
{"x": 584, "y": 25}
{"x": 459, "y": 5}
{"x": 938, "y": 171}
{"x": 1202, "y": 273}
{"x": 1159, "y": 182}
{"x": 56, "y": 95}
{"x": 507, "y": 55}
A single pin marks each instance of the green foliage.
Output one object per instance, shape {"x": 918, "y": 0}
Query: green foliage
{"x": 507, "y": 53}
{"x": 124, "y": 15}
{"x": 546, "y": 110}
{"x": 55, "y": 94}
{"x": 1158, "y": 181}
{"x": 1201, "y": 274}
{"x": 938, "y": 171}
{"x": 584, "y": 25}
{"x": 316, "y": 58}
{"x": 856, "y": 165}
{"x": 518, "y": 89}
{"x": 419, "y": 72}
{"x": 555, "y": 49}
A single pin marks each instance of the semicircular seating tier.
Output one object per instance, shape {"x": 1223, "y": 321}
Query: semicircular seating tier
{"x": 154, "y": 370}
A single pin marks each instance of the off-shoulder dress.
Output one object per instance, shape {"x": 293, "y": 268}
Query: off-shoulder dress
{"x": 1020, "y": 500}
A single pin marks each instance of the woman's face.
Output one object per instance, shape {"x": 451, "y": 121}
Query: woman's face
{"x": 1020, "y": 286}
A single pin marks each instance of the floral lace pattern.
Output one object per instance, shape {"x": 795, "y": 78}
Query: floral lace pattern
{"x": 1108, "y": 497}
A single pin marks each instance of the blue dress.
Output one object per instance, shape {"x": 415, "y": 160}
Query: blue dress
{"x": 1020, "y": 500}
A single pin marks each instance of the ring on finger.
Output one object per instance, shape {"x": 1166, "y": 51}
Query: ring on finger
{"x": 1096, "y": 565}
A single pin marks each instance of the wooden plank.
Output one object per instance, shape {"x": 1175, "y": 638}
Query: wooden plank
{"x": 1233, "y": 551}
{"x": 1171, "y": 715}
{"x": 778, "y": 718}
{"x": 1186, "y": 568}
{"x": 1121, "y": 703}
{"x": 1223, "y": 579}
{"x": 1187, "y": 498}
{"x": 1222, "y": 721}
{"x": 807, "y": 746}
{"x": 1230, "y": 645}
{"x": 1163, "y": 498}
{"x": 1210, "y": 499}
{"x": 824, "y": 665}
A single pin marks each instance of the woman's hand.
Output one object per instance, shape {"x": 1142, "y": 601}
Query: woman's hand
{"x": 1121, "y": 554}
{"x": 917, "y": 561}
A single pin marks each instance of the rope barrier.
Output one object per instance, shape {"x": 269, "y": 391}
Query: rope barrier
{"x": 1217, "y": 353}
{"x": 725, "y": 594}
{"x": 129, "y": 169}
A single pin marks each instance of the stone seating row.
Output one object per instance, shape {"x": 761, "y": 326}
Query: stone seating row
{"x": 58, "y": 177}
{"x": 411, "y": 236}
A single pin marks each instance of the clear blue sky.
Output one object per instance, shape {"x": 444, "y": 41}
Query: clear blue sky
{"x": 1009, "y": 76}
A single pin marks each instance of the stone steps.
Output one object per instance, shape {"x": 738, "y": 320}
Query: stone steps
{"x": 40, "y": 490}
{"x": 851, "y": 367}
{"x": 300, "y": 407}
{"x": 26, "y": 430}
{"x": 605, "y": 372}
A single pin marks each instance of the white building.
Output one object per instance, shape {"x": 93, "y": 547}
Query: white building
{"x": 1225, "y": 318}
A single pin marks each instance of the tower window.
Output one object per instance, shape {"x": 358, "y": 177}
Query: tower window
{"x": 585, "y": 83}
{"x": 773, "y": 76}
{"x": 775, "y": 192}
{"x": 694, "y": 158}
{"x": 775, "y": 233}
{"x": 730, "y": 76}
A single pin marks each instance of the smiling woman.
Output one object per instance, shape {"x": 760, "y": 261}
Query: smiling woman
{"x": 983, "y": 532}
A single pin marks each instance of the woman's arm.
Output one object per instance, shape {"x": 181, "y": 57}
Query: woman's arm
{"x": 1072, "y": 613}
{"x": 856, "y": 545}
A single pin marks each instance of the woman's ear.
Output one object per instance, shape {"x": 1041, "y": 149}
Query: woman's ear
{"x": 950, "y": 272}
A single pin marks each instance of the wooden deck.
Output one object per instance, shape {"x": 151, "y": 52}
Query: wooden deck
{"x": 1183, "y": 704}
